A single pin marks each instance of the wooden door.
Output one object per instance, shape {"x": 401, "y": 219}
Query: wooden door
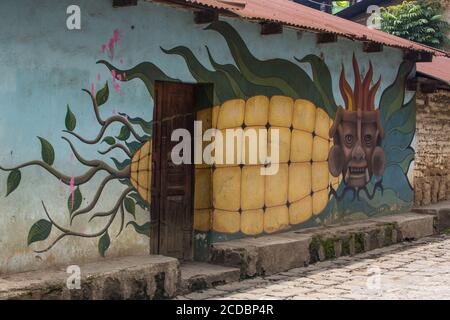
{"x": 172, "y": 185}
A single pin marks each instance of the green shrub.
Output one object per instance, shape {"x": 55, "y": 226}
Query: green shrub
{"x": 419, "y": 21}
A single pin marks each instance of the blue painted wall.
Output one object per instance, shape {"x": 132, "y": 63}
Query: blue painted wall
{"x": 44, "y": 66}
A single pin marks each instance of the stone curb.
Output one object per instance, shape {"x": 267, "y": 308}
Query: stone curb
{"x": 136, "y": 277}
{"x": 272, "y": 254}
{"x": 441, "y": 211}
{"x": 196, "y": 276}
{"x": 160, "y": 277}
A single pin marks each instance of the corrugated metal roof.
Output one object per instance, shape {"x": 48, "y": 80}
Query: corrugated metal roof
{"x": 438, "y": 69}
{"x": 296, "y": 15}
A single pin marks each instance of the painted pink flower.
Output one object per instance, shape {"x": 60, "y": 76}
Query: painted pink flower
{"x": 92, "y": 89}
{"x": 111, "y": 44}
{"x": 111, "y": 48}
{"x": 98, "y": 77}
{"x": 103, "y": 47}
{"x": 116, "y": 87}
{"x": 116, "y": 35}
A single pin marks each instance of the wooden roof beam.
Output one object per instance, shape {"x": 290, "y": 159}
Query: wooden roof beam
{"x": 271, "y": 28}
{"x": 124, "y": 3}
{"x": 205, "y": 16}
{"x": 429, "y": 86}
{"x": 370, "y": 46}
{"x": 418, "y": 56}
{"x": 326, "y": 37}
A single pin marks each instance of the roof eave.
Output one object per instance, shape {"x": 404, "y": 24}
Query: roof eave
{"x": 233, "y": 11}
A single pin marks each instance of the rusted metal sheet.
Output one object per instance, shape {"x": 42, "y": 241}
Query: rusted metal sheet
{"x": 295, "y": 15}
{"x": 438, "y": 69}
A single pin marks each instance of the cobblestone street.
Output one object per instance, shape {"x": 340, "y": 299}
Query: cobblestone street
{"x": 411, "y": 270}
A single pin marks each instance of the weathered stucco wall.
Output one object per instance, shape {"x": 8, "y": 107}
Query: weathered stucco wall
{"x": 44, "y": 66}
{"x": 432, "y": 162}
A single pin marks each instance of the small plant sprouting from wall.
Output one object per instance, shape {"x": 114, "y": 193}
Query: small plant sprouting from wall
{"x": 135, "y": 194}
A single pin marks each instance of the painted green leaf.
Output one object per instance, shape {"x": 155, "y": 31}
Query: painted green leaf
{"x": 143, "y": 229}
{"x": 74, "y": 204}
{"x": 121, "y": 165}
{"x": 146, "y": 71}
{"x": 103, "y": 243}
{"x": 139, "y": 201}
{"x": 13, "y": 181}
{"x": 39, "y": 231}
{"x": 397, "y": 140}
{"x": 47, "y": 151}
{"x": 109, "y": 140}
{"x": 288, "y": 77}
{"x": 124, "y": 133}
{"x": 133, "y": 146}
{"x": 126, "y": 182}
{"x": 130, "y": 206}
{"x": 241, "y": 86}
{"x": 392, "y": 98}
{"x": 102, "y": 95}
{"x": 71, "y": 121}
{"x": 223, "y": 89}
{"x": 406, "y": 162}
{"x": 401, "y": 118}
{"x": 146, "y": 126}
{"x": 401, "y": 158}
{"x": 388, "y": 199}
{"x": 323, "y": 82}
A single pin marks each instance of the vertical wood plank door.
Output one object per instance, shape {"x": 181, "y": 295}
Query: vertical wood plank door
{"x": 172, "y": 185}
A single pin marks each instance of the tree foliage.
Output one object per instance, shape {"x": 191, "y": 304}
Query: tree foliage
{"x": 339, "y": 6}
{"x": 419, "y": 21}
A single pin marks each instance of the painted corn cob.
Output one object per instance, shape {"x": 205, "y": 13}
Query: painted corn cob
{"x": 232, "y": 198}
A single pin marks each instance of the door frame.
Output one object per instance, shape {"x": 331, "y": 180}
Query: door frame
{"x": 155, "y": 206}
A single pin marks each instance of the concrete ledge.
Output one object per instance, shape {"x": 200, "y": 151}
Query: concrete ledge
{"x": 441, "y": 211}
{"x": 264, "y": 255}
{"x": 277, "y": 253}
{"x": 159, "y": 277}
{"x": 197, "y": 276}
{"x": 136, "y": 277}
{"x": 411, "y": 226}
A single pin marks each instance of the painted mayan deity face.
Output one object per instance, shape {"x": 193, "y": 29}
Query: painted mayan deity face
{"x": 357, "y": 133}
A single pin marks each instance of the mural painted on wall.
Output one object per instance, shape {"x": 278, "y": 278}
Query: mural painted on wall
{"x": 381, "y": 186}
{"x": 357, "y": 132}
{"x": 133, "y": 172}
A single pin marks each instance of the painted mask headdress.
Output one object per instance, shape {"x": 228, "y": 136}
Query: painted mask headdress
{"x": 357, "y": 132}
